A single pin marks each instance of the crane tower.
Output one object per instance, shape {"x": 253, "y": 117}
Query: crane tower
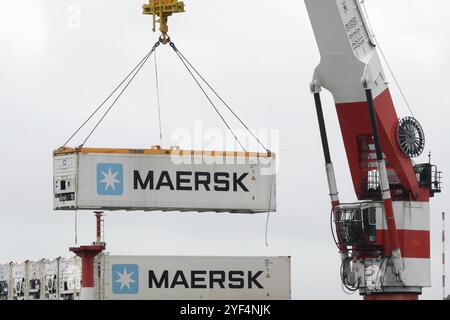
{"x": 384, "y": 237}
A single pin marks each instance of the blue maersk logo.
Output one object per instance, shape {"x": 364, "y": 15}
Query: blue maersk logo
{"x": 125, "y": 279}
{"x": 109, "y": 179}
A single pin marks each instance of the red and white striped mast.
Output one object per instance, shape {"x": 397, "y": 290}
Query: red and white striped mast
{"x": 87, "y": 255}
{"x": 384, "y": 238}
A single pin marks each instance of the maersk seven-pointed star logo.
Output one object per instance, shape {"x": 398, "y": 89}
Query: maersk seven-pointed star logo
{"x": 125, "y": 278}
{"x": 109, "y": 179}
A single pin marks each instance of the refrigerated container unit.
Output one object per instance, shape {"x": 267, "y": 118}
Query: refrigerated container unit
{"x": 18, "y": 281}
{"x": 33, "y": 280}
{"x": 5, "y": 274}
{"x": 163, "y": 180}
{"x": 159, "y": 278}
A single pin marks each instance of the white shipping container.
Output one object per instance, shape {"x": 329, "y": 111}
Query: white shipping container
{"x": 152, "y": 278}
{"x": 69, "y": 278}
{"x": 196, "y": 278}
{"x": 18, "y": 281}
{"x": 51, "y": 279}
{"x": 5, "y": 273}
{"x": 166, "y": 180}
{"x": 33, "y": 279}
{"x": 60, "y": 279}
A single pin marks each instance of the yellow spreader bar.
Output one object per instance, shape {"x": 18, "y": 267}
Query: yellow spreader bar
{"x": 162, "y": 9}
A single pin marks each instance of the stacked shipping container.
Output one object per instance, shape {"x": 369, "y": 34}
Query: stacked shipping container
{"x": 151, "y": 278}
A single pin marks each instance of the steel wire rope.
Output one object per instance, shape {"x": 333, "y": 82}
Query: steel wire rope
{"x": 385, "y": 59}
{"x": 76, "y": 227}
{"x": 336, "y": 242}
{"x": 120, "y": 94}
{"x": 268, "y": 217}
{"x": 351, "y": 290}
{"x": 158, "y": 99}
{"x": 267, "y": 228}
{"x": 110, "y": 95}
{"x": 206, "y": 95}
{"x": 222, "y": 100}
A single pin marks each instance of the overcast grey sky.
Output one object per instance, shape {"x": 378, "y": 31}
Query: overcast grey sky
{"x": 55, "y": 69}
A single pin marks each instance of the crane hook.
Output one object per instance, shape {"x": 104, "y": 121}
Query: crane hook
{"x": 163, "y": 9}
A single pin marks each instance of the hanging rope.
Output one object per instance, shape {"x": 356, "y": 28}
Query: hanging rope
{"x": 132, "y": 74}
{"x": 110, "y": 95}
{"x": 206, "y": 95}
{"x": 386, "y": 60}
{"x": 267, "y": 230}
{"x": 76, "y": 227}
{"x": 218, "y": 96}
{"x": 158, "y": 100}
{"x": 120, "y": 94}
{"x": 268, "y": 217}
{"x": 191, "y": 69}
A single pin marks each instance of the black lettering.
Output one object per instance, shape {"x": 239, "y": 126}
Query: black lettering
{"x": 181, "y": 181}
{"x": 351, "y": 24}
{"x": 164, "y": 280}
{"x": 357, "y": 39}
{"x": 196, "y": 277}
{"x": 138, "y": 180}
{"x": 164, "y": 181}
{"x": 237, "y": 182}
{"x": 344, "y": 6}
{"x": 179, "y": 279}
{"x": 221, "y": 184}
{"x": 237, "y": 277}
{"x": 219, "y": 280}
{"x": 253, "y": 280}
{"x": 199, "y": 181}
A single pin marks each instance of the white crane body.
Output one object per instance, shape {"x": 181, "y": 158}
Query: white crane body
{"x": 384, "y": 238}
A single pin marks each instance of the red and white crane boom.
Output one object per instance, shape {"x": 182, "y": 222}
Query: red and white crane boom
{"x": 384, "y": 238}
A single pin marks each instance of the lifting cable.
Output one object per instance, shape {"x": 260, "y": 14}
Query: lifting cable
{"x": 385, "y": 59}
{"x": 206, "y": 95}
{"x": 191, "y": 69}
{"x": 266, "y": 237}
{"x": 76, "y": 227}
{"x": 120, "y": 94}
{"x": 187, "y": 63}
{"x": 132, "y": 74}
{"x": 158, "y": 100}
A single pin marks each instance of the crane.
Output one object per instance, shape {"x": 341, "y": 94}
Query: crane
{"x": 384, "y": 237}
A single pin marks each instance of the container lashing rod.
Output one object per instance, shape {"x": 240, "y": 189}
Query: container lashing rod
{"x": 163, "y": 9}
